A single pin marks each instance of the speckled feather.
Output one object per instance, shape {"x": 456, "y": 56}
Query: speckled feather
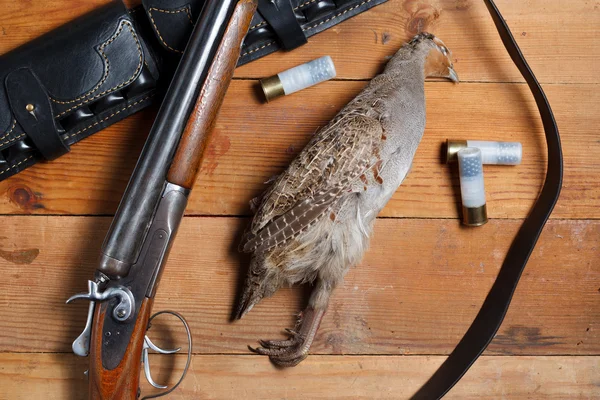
{"x": 338, "y": 154}
{"x": 335, "y": 157}
{"x": 315, "y": 220}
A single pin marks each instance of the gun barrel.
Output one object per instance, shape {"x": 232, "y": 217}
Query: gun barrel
{"x": 118, "y": 330}
{"x": 130, "y": 225}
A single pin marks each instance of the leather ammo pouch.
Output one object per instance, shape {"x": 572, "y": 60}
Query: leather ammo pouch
{"x": 106, "y": 65}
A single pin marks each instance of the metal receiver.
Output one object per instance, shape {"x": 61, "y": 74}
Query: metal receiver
{"x": 138, "y": 242}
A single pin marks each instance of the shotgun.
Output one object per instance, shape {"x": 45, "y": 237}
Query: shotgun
{"x": 137, "y": 244}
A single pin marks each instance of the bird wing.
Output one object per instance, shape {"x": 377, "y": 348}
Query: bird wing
{"x": 324, "y": 171}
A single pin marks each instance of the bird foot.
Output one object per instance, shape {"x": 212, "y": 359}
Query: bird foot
{"x": 290, "y": 352}
{"x": 284, "y": 353}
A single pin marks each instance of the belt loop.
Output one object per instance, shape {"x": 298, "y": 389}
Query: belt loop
{"x": 280, "y": 15}
{"x": 31, "y": 107}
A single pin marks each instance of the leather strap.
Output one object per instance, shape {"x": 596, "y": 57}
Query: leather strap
{"x": 113, "y": 62}
{"x": 280, "y": 15}
{"x": 31, "y": 107}
{"x": 490, "y": 316}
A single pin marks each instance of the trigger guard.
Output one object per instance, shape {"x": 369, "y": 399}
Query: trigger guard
{"x": 189, "y": 352}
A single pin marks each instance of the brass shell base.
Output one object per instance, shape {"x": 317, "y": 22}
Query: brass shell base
{"x": 475, "y": 216}
{"x": 272, "y": 87}
{"x": 452, "y": 149}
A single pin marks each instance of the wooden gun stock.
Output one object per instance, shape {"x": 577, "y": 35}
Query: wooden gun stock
{"x": 122, "y": 382}
{"x": 190, "y": 152}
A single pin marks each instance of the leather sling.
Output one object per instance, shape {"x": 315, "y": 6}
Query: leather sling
{"x": 490, "y": 316}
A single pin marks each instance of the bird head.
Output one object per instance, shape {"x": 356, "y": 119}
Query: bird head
{"x": 438, "y": 61}
{"x": 427, "y": 47}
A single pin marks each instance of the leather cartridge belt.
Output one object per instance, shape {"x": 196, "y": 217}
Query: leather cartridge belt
{"x": 104, "y": 66}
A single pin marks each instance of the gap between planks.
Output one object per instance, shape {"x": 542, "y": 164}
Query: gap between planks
{"x": 559, "y": 42}
{"x": 244, "y": 152}
{"x": 416, "y": 291}
{"x": 318, "y": 377}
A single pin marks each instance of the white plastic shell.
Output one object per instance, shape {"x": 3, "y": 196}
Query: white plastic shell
{"x": 502, "y": 153}
{"x": 307, "y": 75}
{"x": 470, "y": 168}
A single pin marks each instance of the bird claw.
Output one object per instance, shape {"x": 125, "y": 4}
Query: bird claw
{"x": 270, "y": 344}
{"x": 284, "y": 353}
{"x": 291, "y": 332}
{"x": 276, "y": 344}
{"x": 291, "y": 351}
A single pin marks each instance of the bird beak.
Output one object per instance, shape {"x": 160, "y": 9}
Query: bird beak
{"x": 453, "y": 76}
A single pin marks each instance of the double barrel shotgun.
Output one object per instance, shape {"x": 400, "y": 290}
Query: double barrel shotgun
{"x": 137, "y": 244}
{"x": 136, "y": 247}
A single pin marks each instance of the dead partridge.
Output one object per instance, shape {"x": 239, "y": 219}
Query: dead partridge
{"x": 315, "y": 220}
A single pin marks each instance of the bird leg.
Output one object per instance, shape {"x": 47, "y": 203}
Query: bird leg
{"x": 290, "y": 352}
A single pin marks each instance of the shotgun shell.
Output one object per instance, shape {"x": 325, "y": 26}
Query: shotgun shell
{"x": 298, "y": 78}
{"x": 501, "y": 153}
{"x": 471, "y": 186}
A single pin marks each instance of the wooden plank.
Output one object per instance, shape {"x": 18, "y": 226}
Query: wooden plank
{"x": 60, "y": 376}
{"x": 423, "y": 281}
{"x": 253, "y": 142}
{"x": 360, "y": 45}
{"x": 23, "y": 21}
{"x": 416, "y": 292}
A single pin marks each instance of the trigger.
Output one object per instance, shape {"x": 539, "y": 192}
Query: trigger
{"x": 81, "y": 345}
{"x": 148, "y": 344}
{"x": 146, "y": 363}
{"x": 157, "y": 349}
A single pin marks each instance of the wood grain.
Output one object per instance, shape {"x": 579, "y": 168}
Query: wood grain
{"x": 252, "y": 142}
{"x": 422, "y": 282}
{"x": 121, "y": 382}
{"x": 60, "y": 376}
{"x": 416, "y": 291}
{"x": 191, "y": 151}
{"x": 558, "y": 38}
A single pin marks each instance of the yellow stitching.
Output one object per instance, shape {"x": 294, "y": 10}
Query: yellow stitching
{"x": 106, "y": 72}
{"x": 110, "y": 116}
{"x": 258, "y": 25}
{"x": 305, "y": 4}
{"x": 16, "y": 165}
{"x": 10, "y": 130}
{"x": 305, "y": 29}
{"x": 338, "y": 15}
{"x": 13, "y": 139}
{"x": 133, "y": 11}
{"x": 76, "y": 133}
{"x": 91, "y": 126}
{"x": 141, "y": 63}
{"x": 295, "y": 9}
{"x": 187, "y": 12}
{"x": 186, "y": 9}
{"x": 255, "y": 50}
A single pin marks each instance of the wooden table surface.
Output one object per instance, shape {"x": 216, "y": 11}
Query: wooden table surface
{"x": 409, "y": 302}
